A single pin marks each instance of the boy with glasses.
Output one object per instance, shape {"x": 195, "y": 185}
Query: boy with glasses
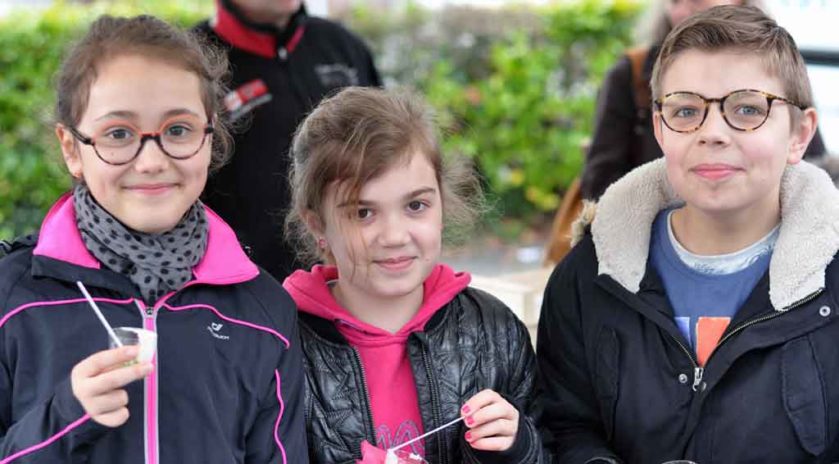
{"x": 696, "y": 319}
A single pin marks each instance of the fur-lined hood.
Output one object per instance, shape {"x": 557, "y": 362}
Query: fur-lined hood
{"x": 621, "y": 225}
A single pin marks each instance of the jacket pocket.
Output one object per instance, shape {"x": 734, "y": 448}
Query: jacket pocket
{"x": 803, "y": 394}
{"x": 607, "y": 375}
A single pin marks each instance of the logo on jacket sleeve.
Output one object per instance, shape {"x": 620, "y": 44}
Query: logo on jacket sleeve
{"x": 245, "y": 98}
{"x": 215, "y": 331}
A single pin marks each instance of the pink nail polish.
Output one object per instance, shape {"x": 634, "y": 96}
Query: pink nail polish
{"x": 470, "y": 421}
{"x": 468, "y": 436}
{"x": 465, "y": 409}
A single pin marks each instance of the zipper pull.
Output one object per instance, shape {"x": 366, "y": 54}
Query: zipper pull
{"x": 697, "y": 379}
{"x": 147, "y": 310}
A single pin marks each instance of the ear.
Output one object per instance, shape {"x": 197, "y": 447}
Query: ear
{"x": 69, "y": 150}
{"x": 313, "y": 223}
{"x": 657, "y": 129}
{"x": 801, "y": 134}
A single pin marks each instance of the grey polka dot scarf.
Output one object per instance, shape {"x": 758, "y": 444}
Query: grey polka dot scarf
{"x": 156, "y": 263}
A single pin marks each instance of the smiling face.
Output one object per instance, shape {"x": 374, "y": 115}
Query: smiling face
{"x": 718, "y": 170}
{"x": 131, "y": 94}
{"x": 388, "y": 244}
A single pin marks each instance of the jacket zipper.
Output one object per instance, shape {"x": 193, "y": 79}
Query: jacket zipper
{"x": 699, "y": 371}
{"x": 767, "y": 317}
{"x": 150, "y": 393}
{"x": 435, "y": 404}
{"x": 368, "y": 418}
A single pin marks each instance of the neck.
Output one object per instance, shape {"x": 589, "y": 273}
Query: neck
{"x": 282, "y": 22}
{"x": 389, "y": 314}
{"x": 707, "y": 234}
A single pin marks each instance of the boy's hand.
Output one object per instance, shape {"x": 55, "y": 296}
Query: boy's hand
{"x": 492, "y": 421}
{"x": 97, "y": 383}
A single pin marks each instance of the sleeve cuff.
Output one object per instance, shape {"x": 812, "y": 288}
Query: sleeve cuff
{"x": 68, "y": 408}
{"x": 513, "y": 454}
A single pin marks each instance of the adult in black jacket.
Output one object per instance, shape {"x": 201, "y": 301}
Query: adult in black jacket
{"x": 283, "y": 62}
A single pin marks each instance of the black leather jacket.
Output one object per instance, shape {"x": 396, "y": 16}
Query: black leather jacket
{"x": 472, "y": 343}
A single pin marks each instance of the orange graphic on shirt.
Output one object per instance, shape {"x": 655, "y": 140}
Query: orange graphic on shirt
{"x": 709, "y": 330}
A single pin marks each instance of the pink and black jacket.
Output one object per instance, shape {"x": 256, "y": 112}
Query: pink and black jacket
{"x": 227, "y": 385}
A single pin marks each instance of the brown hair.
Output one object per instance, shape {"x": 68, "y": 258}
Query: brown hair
{"x": 355, "y": 136}
{"x": 739, "y": 28}
{"x": 148, "y": 36}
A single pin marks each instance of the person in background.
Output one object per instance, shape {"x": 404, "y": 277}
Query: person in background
{"x": 623, "y": 134}
{"x": 697, "y": 318}
{"x": 283, "y": 62}
{"x": 138, "y": 121}
{"x": 395, "y": 342}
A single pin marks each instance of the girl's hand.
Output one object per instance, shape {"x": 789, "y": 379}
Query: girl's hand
{"x": 492, "y": 421}
{"x": 97, "y": 383}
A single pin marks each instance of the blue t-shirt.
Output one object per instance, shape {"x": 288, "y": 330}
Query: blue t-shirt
{"x": 703, "y": 302}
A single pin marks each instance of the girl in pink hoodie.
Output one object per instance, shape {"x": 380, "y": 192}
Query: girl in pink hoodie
{"x": 396, "y": 343}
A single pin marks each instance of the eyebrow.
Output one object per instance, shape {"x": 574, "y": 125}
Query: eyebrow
{"x": 132, "y": 115}
{"x": 407, "y": 196}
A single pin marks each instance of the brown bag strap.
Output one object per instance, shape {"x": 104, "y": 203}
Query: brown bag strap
{"x": 641, "y": 87}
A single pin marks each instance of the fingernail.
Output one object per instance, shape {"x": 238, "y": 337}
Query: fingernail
{"x": 468, "y": 436}
{"x": 465, "y": 409}
{"x": 470, "y": 421}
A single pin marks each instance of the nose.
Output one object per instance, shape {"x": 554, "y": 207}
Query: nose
{"x": 394, "y": 231}
{"x": 714, "y": 131}
{"x": 151, "y": 158}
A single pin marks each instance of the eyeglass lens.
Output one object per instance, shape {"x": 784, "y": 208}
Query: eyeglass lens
{"x": 744, "y": 110}
{"x": 179, "y": 139}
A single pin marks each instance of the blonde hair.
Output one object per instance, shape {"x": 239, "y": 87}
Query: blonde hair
{"x": 355, "y": 136}
{"x": 739, "y": 28}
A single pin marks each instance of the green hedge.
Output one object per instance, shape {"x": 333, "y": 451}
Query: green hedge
{"x": 515, "y": 88}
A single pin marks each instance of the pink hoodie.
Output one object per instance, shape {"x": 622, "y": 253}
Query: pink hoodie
{"x": 384, "y": 356}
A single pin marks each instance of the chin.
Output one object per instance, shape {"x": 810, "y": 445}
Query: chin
{"x": 157, "y": 227}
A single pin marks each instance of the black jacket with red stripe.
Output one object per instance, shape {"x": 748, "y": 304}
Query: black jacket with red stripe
{"x": 277, "y": 78}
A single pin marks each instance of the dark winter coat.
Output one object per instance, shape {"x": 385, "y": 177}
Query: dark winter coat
{"x": 473, "y": 343}
{"x": 227, "y": 384}
{"x": 622, "y": 383}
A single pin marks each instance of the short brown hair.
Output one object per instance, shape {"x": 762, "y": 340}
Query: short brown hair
{"x": 742, "y": 28}
{"x": 355, "y": 136}
{"x": 109, "y": 37}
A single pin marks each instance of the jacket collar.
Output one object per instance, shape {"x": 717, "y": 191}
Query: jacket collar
{"x": 260, "y": 39}
{"x": 223, "y": 263}
{"x": 808, "y": 239}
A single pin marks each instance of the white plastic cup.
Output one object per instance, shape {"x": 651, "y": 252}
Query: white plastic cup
{"x": 403, "y": 457}
{"x": 137, "y": 336}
